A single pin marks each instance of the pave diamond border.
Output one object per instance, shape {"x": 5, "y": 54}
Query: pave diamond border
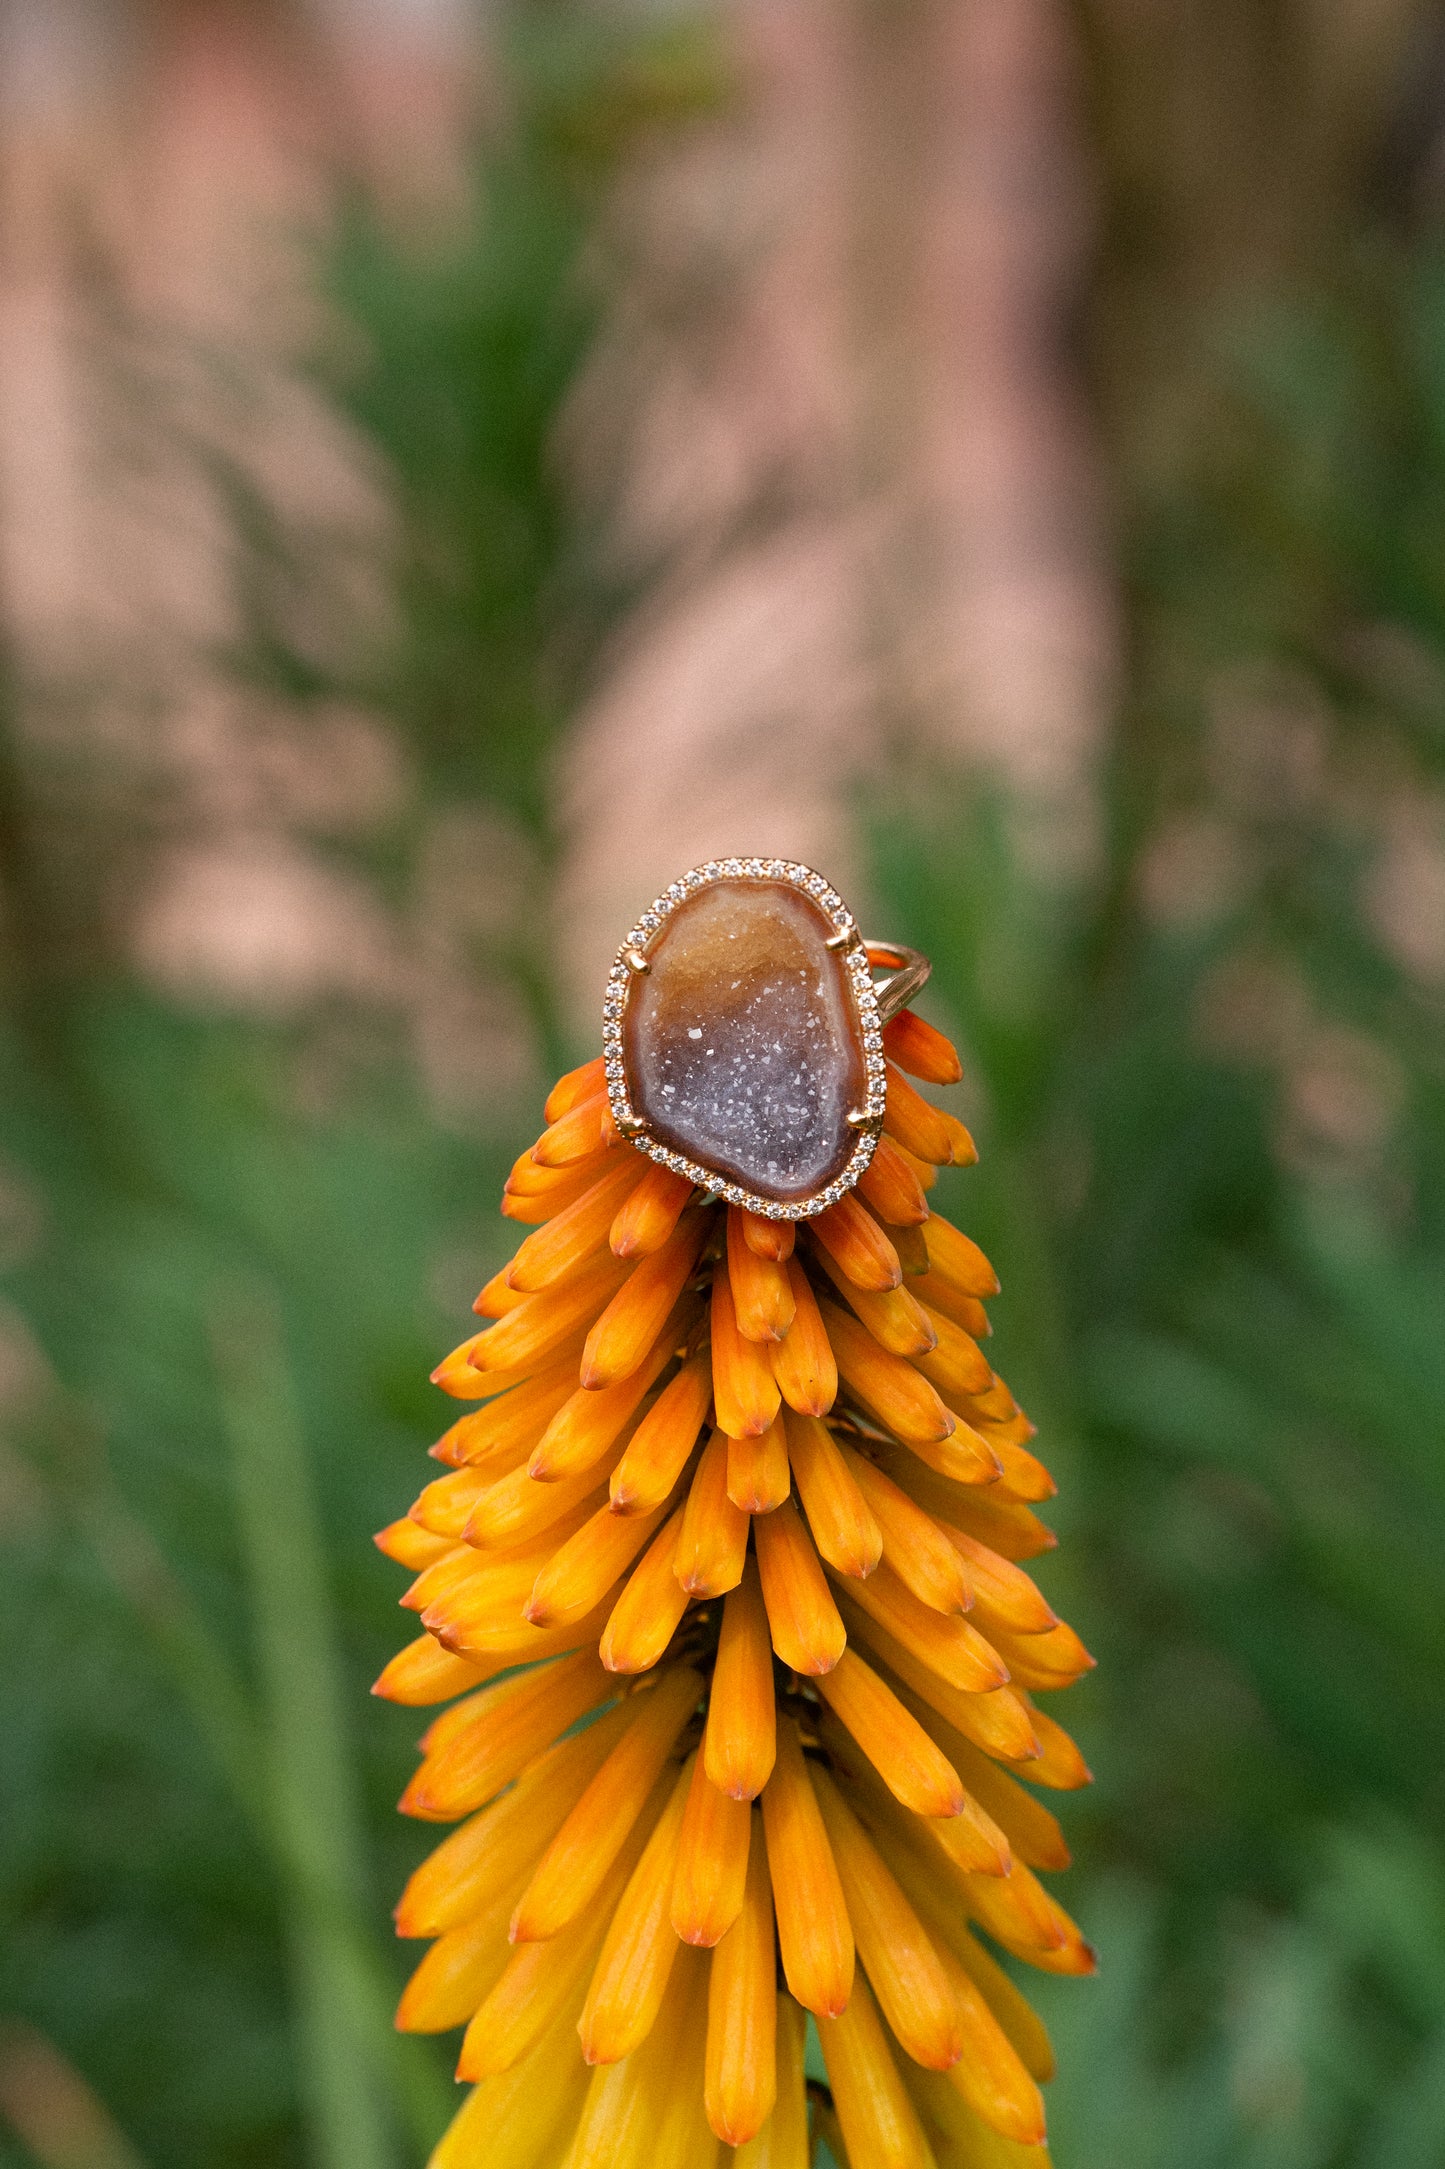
{"x": 855, "y": 958}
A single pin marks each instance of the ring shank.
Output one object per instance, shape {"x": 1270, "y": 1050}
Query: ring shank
{"x": 910, "y": 970}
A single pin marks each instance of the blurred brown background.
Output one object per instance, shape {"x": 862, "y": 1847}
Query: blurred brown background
{"x": 460, "y": 466}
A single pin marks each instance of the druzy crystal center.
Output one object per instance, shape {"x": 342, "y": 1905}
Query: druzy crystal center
{"x": 742, "y": 1043}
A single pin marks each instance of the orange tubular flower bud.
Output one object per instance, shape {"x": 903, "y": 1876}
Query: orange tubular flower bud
{"x": 807, "y": 1632}
{"x": 1008, "y": 1529}
{"x": 625, "y": 1332}
{"x": 890, "y": 1187}
{"x": 998, "y": 1722}
{"x": 450, "y": 1570}
{"x": 814, "y": 1935}
{"x": 915, "y": 1770}
{"x": 769, "y": 1238}
{"x": 583, "y": 1083}
{"x": 851, "y": 1235}
{"x": 486, "y": 1588}
{"x": 956, "y": 1364}
{"x": 580, "y": 1574}
{"x": 573, "y": 1235}
{"x": 744, "y": 1391}
{"x": 898, "y": 1395}
{"x": 1032, "y": 1832}
{"x": 914, "y": 1545}
{"x": 645, "y": 1616}
{"x": 498, "y": 1436}
{"x": 712, "y": 1860}
{"x": 631, "y": 1978}
{"x": 526, "y": 2116}
{"x": 965, "y": 1310}
{"x": 991, "y": 2077}
{"x": 905, "y": 1971}
{"x": 997, "y": 1415}
{"x": 573, "y": 1136}
{"x": 995, "y": 1406}
{"x": 714, "y": 1538}
{"x": 954, "y": 1257}
{"x": 947, "y": 1644}
{"x": 457, "y": 1375}
{"x": 1013, "y": 1908}
{"x": 444, "y": 1508}
{"x": 740, "y": 1745}
{"x": 479, "y": 1623}
{"x": 498, "y": 1297}
{"x": 682, "y": 2130}
{"x": 875, "y": 2115}
{"x": 1060, "y": 1766}
{"x": 763, "y": 1300}
{"x": 1023, "y": 2029}
{"x": 783, "y": 2142}
{"x": 1022, "y": 1476}
{"x": 758, "y": 1477}
{"x": 921, "y": 1050}
{"x": 972, "y": 1842}
{"x": 651, "y": 1213}
{"x": 411, "y": 1546}
{"x": 531, "y": 1205}
{"x": 740, "y": 2085}
{"x": 895, "y": 1319}
{"x": 1004, "y": 1598}
{"x": 489, "y": 1857}
{"x": 658, "y": 1449}
{"x": 587, "y": 1424}
{"x": 454, "y": 1976}
{"x": 648, "y": 2106}
{"x": 910, "y": 1246}
{"x": 934, "y": 1897}
{"x": 506, "y": 1726}
{"x": 552, "y": 1188}
{"x": 804, "y": 1366}
{"x": 1018, "y": 1912}
{"x": 537, "y": 1328}
{"x": 963, "y": 1457}
{"x": 543, "y": 1983}
{"x": 424, "y": 1673}
{"x": 515, "y": 1510}
{"x": 924, "y": 1129}
{"x": 1042, "y": 1662}
{"x": 844, "y": 1530}
{"x": 572, "y": 1868}
{"x": 924, "y": 1170}
{"x": 964, "y": 1148}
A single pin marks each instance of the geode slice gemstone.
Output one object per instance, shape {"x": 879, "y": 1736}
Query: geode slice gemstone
{"x": 742, "y": 1042}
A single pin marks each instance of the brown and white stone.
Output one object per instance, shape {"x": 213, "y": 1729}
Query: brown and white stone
{"x": 742, "y": 1042}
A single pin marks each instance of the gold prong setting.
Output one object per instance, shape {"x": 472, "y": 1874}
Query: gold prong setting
{"x": 632, "y": 961}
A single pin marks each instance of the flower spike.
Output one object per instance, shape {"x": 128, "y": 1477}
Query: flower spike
{"x": 733, "y": 1653}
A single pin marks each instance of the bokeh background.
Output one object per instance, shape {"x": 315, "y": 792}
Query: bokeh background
{"x": 459, "y": 468}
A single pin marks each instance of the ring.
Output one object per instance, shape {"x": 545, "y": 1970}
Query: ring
{"x": 743, "y": 1035}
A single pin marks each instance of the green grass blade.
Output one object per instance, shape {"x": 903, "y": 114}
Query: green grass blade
{"x": 315, "y": 1800}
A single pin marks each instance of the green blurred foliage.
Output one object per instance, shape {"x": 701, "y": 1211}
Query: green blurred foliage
{"x": 1208, "y": 1089}
{"x": 1211, "y": 1105}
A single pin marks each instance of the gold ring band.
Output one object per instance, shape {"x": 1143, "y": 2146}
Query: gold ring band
{"x": 910, "y": 970}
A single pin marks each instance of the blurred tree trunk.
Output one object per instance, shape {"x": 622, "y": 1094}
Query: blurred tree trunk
{"x": 858, "y": 455}
{"x": 1239, "y": 141}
